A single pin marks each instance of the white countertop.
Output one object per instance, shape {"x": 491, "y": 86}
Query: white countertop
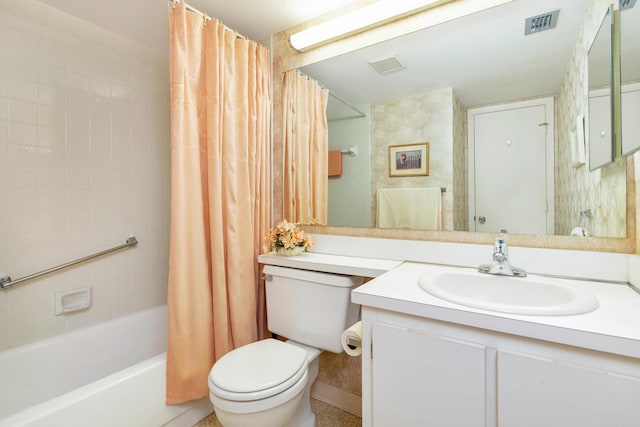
{"x": 613, "y": 327}
{"x": 365, "y": 267}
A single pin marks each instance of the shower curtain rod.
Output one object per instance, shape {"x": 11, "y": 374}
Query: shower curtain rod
{"x": 206, "y": 17}
{"x": 360, "y": 113}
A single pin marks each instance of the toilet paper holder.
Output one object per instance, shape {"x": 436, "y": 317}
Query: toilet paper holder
{"x": 351, "y": 339}
{"x": 354, "y": 342}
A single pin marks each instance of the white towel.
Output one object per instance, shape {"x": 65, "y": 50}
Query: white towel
{"x": 412, "y": 208}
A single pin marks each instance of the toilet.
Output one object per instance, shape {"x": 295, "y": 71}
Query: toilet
{"x": 268, "y": 383}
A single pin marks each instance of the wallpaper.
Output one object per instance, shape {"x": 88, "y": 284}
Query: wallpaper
{"x": 599, "y": 195}
{"x": 425, "y": 117}
{"x": 460, "y": 170}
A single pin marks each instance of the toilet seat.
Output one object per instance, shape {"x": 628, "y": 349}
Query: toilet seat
{"x": 257, "y": 371}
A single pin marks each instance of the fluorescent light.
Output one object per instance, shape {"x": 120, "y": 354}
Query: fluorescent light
{"x": 358, "y": 20}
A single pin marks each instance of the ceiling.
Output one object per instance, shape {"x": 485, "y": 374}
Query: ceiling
{"x": 145, "y": 21}
{"x": 466, "y": 54}
{"x": 485, "y": 57}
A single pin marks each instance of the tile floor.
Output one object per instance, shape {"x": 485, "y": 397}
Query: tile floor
{"x": 326, "y": 416}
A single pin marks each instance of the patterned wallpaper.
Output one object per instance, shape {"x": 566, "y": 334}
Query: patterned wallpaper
{"x": 460, "y": 170}
{"x": 577, "y": 189}
{"x": 426, "y": 117}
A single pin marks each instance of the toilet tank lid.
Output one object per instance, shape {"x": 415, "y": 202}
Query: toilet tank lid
{"x": 330, "y": 279}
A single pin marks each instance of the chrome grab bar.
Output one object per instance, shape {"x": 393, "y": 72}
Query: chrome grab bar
{"x": 6, "y": 281}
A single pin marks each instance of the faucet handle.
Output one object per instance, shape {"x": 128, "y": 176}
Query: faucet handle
{"x": 500, "y": 263}
{"x": 500, "y": 250}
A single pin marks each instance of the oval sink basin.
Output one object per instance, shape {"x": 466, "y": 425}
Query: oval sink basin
{"x": 516, "y": 295}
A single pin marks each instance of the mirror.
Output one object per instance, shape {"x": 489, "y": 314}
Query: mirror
{"x": 600, "y": 136}
{"x": 478, "y": 60}
{"x": 630, "y": 75}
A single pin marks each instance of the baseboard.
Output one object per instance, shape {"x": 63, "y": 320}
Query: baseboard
{"x": 337, "y": 397}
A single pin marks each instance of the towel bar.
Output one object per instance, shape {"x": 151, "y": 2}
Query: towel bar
{"x": 352, "y": 151}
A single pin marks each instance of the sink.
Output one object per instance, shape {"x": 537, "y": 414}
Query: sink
{"x": 516, "y": 295}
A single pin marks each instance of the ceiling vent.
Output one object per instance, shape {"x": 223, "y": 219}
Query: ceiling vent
{"x": 538, "y": 23}
{"x": 627, "y": 4}
{"x": 386, "y": 64}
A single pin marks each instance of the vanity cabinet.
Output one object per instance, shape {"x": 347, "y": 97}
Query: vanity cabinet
{"x": 422, "y": 372}
{"x": 419, "y": 376}
{"x": 537, "y": 391}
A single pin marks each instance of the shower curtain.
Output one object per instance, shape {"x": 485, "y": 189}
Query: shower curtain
{"x": 306, "y": 149}
{"x": 220, "y": 196}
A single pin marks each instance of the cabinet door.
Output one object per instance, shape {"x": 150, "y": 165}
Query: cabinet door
{"x": 534, "y": 391}
{"x": 426, "y": 380}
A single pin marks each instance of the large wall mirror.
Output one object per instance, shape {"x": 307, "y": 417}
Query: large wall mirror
{"x": 630, "y": 75}
{"x": 421, "y": 88}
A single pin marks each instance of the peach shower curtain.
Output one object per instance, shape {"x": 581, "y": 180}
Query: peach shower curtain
{"x": 306, "y": 148}
{"x": 220, "y": 196}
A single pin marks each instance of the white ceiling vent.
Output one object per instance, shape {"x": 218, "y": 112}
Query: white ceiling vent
{"x": 627, "y": 4}
{"x": 538, "y": 23}
{"x": 386, "y": 64}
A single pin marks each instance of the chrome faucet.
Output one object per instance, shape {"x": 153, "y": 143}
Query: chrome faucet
{"x": 500, "y": 264}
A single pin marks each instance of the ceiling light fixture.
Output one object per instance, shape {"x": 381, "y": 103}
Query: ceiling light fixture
{"x": 378, "y": 13}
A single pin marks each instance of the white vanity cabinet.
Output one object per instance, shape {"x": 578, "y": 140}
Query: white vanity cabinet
{"x": 538, "y": 391}
{"x": 422, "y": 379}
{"x": 422, "y": 372}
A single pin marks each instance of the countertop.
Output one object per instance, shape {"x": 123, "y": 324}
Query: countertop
{"x": 613, "y": 327}
{"x": 365, "y": 267}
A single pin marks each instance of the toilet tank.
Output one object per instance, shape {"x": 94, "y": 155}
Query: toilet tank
{"x": 310, "y": 307}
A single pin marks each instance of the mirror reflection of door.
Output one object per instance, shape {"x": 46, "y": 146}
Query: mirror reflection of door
{"x": 511, "y": 168}
{"x": 600, "y": 131}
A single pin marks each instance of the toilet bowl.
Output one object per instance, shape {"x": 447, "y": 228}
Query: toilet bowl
{"x": 264, "y": 384}
{"x": 268, "y": 383}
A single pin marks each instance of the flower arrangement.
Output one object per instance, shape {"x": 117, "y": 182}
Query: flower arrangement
{"x": 288, "y": 239}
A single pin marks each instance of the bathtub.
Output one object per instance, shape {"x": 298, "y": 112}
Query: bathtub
{"x": 110, "y": 374}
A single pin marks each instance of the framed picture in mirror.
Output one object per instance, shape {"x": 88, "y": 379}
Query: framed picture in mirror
{"x": 409, "y": 160}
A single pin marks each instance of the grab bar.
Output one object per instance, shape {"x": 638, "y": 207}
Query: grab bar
{"x": 6, "y": 281}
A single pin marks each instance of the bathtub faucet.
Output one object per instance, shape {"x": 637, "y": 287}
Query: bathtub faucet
{"x": 500, "y": 264}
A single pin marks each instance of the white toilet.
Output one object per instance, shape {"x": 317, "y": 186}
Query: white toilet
{"x": 268, "y": 383}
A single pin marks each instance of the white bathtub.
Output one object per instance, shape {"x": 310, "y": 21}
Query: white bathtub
{"x": 111, "y": 374}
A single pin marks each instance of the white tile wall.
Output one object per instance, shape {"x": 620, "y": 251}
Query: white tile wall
{"x": 84, "y": 164}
